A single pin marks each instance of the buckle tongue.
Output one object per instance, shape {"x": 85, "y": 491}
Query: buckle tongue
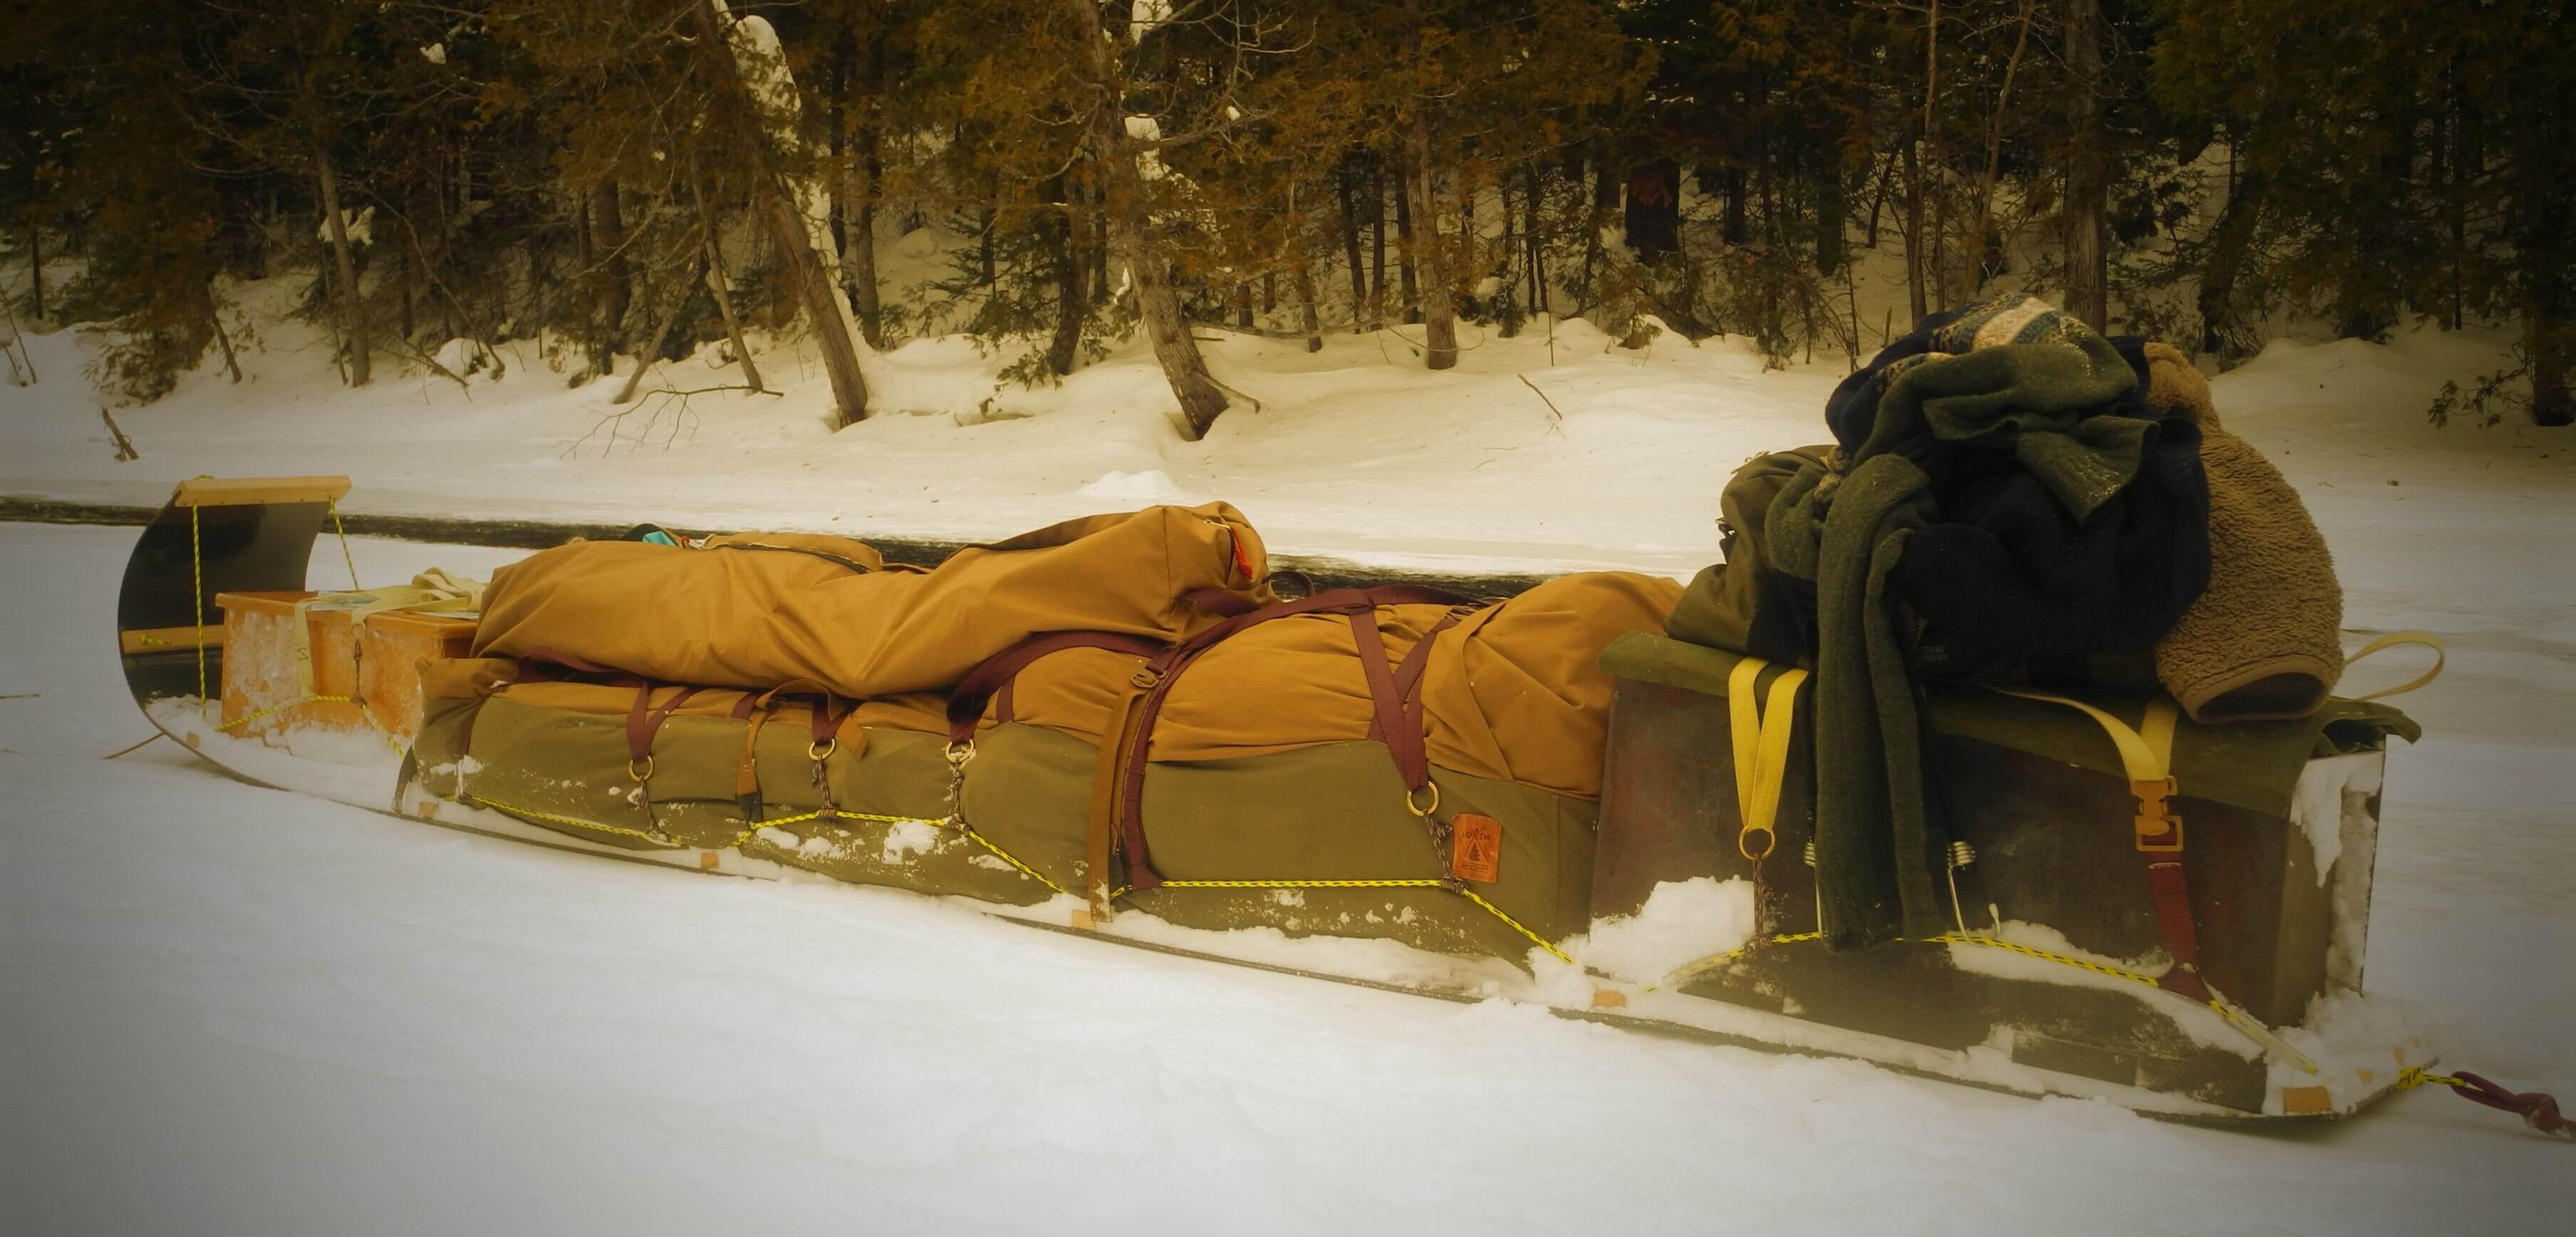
{"x": 2159, "y": 831}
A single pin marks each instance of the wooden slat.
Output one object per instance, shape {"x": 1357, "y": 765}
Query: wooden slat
{"x": 167, "y": 639}
{"x": 249, "y": 491}
{"x": 263, "y": 601}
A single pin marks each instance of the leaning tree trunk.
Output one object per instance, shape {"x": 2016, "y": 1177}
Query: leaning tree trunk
{"x": 353, "y": 323}
{"x": 2088, "y": 292}
{"x": 1439, "y": 318}
{"x": 776, "y": 204}
{"x": 1123, "y": 205}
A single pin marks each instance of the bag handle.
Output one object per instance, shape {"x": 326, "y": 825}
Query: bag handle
{"x": 2396, "y": 639}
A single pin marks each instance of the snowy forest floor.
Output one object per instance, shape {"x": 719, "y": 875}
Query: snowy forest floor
{"x": 229, "y": 1010}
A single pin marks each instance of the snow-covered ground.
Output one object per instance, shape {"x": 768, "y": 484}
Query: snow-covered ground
{"x": 227, "y": 1010}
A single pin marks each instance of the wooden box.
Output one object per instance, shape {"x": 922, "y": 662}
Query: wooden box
{"x": 365, "y": 676}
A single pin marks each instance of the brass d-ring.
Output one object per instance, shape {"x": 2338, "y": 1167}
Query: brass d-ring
{"x": 640, "y": 775}
{"x": 1744, "y": 843}
{"x": 822, "y": 749}
{"x": 1424, "y": 809}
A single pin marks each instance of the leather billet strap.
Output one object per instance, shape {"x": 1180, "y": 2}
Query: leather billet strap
{"x": 966, "y": 701}
{"x": 1135, "y": 742}
{"x": 826, "y": 714}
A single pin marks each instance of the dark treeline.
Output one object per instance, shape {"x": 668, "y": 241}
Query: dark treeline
{"x": 638, "y": 177}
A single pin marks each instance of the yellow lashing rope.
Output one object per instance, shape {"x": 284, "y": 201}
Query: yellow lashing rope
{"x": 342, "y": 531}
{"x": 363, "y": 711}
{"x": 2252, "y": 1029}
{"x": 969, "y": 831}
{"x": 1408, "y": 883}
{"x": 197, "y": 605}
{"x": 2414, "y": 1076}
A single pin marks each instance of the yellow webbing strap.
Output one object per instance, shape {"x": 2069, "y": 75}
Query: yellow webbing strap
{"x": 1761, "y": 749}
{"x": 2145, "y": 753}
{"x": 2396, "y": 639}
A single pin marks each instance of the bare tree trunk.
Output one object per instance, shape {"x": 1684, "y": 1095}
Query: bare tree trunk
{"x": 1977, "y": 243}
{"x": 1243, "y": 304}
{"x": 1439, "y": 322}
{"x": 1314, "y": 322}
{"x": 1377, "y": 242}
{"x": 353, "y": 323}
{"x": 859, "y": 250}
{"x": 1930, "y": 166}
{"x": 834, "y": 332}
{"x": 36, "y": 267}
{"x": 1408, "y": 289}
{"x": 1064, "y": 351}
{"x": 608, "y": 232}
{"x": 1269, "y": 291}
{"x": 2231, "y": 246}
{"x": 405, "y": 288}
{"x": 2553, "y": 402}
{"x": 1123, "y": 203}
{"x": 2088, "y": 293}
{"x": 1914, "y": 232}
{"x": 1529, "y": 234}
{"x": 1878, "y": 200}
{"x": 1342, "y": 178}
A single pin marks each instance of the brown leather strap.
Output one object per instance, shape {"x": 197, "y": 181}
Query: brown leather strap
{"x": 2174, "y": 923}
{"x": 1408, "y": 674}
{"x": 1100, "y": 825}
{"x": 1160, "y": 672}
{"x": 641, "y": 726}
{"x": 1403, "y": 742}
{"x": 966, "y": 701}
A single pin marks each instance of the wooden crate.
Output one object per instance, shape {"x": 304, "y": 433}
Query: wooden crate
{"x": 365, "y": 676}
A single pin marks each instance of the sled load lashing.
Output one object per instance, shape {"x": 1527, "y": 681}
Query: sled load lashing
{"x": 1874, "y": 786}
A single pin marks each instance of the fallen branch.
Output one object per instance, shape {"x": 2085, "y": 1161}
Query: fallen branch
{"x": 1557, "y": 423}
{"x": 124, "y": 446}
{"x": 673, "y": 405}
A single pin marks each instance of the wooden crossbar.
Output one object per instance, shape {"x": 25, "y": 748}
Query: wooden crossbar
{"x": 250, "y": 491}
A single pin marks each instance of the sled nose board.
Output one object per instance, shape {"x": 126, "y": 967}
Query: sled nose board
{"x": 215, "y": 535}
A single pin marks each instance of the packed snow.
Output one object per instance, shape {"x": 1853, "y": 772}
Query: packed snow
{"x": 233, "y": 1010}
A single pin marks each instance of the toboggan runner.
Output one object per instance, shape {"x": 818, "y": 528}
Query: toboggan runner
{"x": 1701, "y": 782}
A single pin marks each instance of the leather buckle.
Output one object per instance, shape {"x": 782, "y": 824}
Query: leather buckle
{"x": 2159, "y": 831}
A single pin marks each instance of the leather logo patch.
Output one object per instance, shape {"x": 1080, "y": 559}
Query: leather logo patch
{"x": 1475, "y": 847}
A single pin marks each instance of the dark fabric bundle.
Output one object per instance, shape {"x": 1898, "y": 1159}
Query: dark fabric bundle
{"x": 2012, "y": 583}
{"x": 1998, "y": 473}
